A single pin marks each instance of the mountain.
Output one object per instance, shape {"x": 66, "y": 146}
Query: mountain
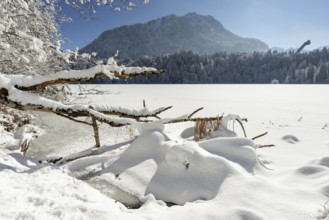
{"x": 170, "y": 34}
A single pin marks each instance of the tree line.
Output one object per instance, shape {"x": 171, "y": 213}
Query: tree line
{"x": 258, "y": 67}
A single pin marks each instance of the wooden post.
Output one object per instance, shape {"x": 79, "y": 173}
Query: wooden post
{"x": 96, "y": 134}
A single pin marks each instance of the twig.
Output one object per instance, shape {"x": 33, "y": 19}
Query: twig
{"x": 268, "y": 145}
{"x": 258, "y": 136}
{"x": 240, "y": 122}
{"x": 193, "y": 119}
{"x": 72, "y": 119}
{"x": 244, "y": 119}
{"x": 62, "y": 160}
{"x": 196, "y": 111}
{"x": 54, "y": 160}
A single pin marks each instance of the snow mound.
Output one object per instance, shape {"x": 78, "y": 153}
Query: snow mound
{"x": 183, "y": 171}
{"x": 239, "y": 150}
{"x": 243, "y": 213}
{"x": 187, "y": 133}
{"x": 14, "y": 161}
{"x": 323, "y": 162}
{"x": 310, "y": 170}
{"x": 147, "y": 146}
{"x": 38, "y": 191}
{"x": 188, "y": 173}
{"x": 291, "y": 139}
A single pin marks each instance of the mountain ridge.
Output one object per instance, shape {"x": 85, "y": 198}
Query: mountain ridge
{"x": 202, "y": 34}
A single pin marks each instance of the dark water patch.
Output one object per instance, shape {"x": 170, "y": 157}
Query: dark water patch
{"x": 107, "y": 188}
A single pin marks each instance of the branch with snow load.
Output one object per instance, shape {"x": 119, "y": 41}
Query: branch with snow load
{"x": 12, "y": 97}
{"x": 14, "y": 89}
{"x": 23, "y": 100}
{"x": 15, "y": 92}
{"x": 38, "y": 83}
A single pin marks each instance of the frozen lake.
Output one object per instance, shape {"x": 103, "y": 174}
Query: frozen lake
{"x": 301, "y": 110}
{"x": 240, "y": 99}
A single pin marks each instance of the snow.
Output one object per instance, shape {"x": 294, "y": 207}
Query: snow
{"x": 2, "y": 28}
{"x": 34, "y": 194}
{"x": 239, "y": 150}
{"x": 164, "y": 174}
{"x": 185, "y": 170}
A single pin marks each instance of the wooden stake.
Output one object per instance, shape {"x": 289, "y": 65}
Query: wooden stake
{"x": 96, "y": 134}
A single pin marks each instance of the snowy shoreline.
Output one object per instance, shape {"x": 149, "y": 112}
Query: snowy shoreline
{"x": 236, "y": 187}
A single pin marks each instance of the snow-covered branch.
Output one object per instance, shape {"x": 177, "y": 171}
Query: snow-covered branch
{"x": 28, "y": 101}
{"x": 13, "y": 94}
{"x": 30, "y": 82}
{"x": 19, "y": 91}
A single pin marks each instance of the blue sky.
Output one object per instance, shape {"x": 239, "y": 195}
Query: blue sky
{"x": 279, "y": 23}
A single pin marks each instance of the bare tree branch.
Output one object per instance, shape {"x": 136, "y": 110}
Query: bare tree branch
{"x": 194, "y": 119}
{"x": 268, "y": 145}
{"x": 303, "y": 45}
{"x": 241, "y": 124}
{"x": 196, "y": 111}
{"x": 72, "y": 119}
{"x": 258, "y": 136}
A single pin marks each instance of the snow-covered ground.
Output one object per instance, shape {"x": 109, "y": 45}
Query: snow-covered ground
{"x": 164, "y": 174}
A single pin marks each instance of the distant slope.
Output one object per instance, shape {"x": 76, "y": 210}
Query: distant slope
{"x": 202, "y": 34}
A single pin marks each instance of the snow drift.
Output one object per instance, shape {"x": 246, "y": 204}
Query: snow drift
{"x": 185, "y": 172}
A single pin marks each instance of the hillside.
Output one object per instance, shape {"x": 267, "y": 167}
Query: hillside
{"x": 170, "y": 34}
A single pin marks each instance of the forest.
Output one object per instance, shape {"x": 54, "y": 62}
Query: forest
{"x": 255, "y": 68}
